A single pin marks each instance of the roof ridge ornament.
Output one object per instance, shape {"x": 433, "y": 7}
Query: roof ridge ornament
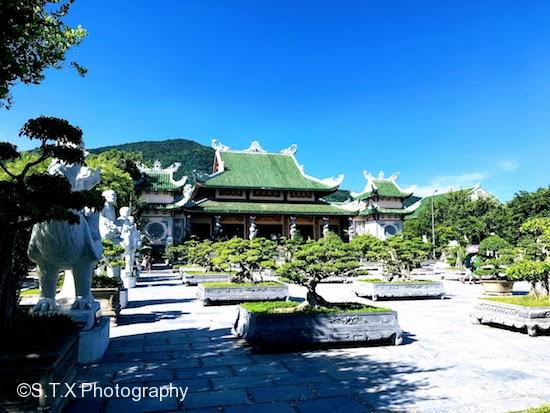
{"x": 255, "y": 147}
{"x": 381, "y": 175}
{"x": 394, "y": 176}
{"x": 291, "y": 150}
{"x": 333, "y": 181}
{"x": 217, "y": 145}
{"x": 368, "y": 176}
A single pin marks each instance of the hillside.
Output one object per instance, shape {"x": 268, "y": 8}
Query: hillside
{"x": 191, "y": 155}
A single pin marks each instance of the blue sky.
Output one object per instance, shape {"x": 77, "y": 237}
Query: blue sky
{"x": 449, "y": 93}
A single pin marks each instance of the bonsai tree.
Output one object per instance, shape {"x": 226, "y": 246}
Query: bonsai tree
{"x": 112, "y": 254}
{"x": 402, "y": 253}
{"x": 32, "y": 197}
{"x": 246, "y": 255}
{"x": 495, "y": 254}
{"x": 202, "y": 253}
{"x": 535, "y": 263}
{"x": 177, "y": 253}
{"x": 317, "y": 260}
{"x": 289, "y": 246}
{"x": 368, "y": 246}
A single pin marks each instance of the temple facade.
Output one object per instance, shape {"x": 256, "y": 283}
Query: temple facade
{"x": 380, "y": 208}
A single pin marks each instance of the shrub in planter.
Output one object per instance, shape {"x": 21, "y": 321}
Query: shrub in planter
{"x": 112, "y": 257}
{"x": 316, "y": 321}
{"x": 246, "y": 257}
{"x": 36, "y": 349}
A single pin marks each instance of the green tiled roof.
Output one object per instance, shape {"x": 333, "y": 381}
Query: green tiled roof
{"x": 159, "y": 181}
{"x": 265, "y": 171}
{"x": 235, "y": 207}
{"x": 384, "y": 211}
{"x": 384, "y": 188}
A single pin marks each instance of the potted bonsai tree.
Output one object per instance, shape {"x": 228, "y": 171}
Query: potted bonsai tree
{"x": 399, "y": 255}
{"x": 248, "y": 258}
{"x": 112, "y": 262}
{"x": 370, "y": 250}
{"x": 286, "y": 324}
{"x": 200, "y": 256}
{"x": 107, "y": 291}
{"x": 531, "y": 312}
{"x": 495, "y": 254}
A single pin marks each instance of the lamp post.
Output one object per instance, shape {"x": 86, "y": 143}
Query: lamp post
{"x": 433, "y": 224}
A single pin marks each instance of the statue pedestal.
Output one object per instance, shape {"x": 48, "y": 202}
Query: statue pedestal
{"x": 128, "y": 279}
{"x": 123, "y": 297}
{"x": 94, "y": 330}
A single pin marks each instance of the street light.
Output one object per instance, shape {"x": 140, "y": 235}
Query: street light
{"x": 433, "y": 224}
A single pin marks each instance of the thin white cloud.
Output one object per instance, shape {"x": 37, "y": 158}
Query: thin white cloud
{"x": 508, "y": 165}
{"x": 450, "y": 183}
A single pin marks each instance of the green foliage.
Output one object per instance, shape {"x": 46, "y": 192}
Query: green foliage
{"x": 402, "y": 253}
{"x": 102, "y": 281}
{"x": 201, "y": 253}
{"x": 492, "y": 246}
{"x": 368, "y": 246}
{"x": 221, "y": 284}
{"x": 247, "y": 255}
{"x": 282, "y": 308}
{"x": 455, "y": 255}
{"x": 112, "y": 254}
{"x": 177, "y": 253}
{"x": 532, "y": 271}
{"x": 317, "y": 260}
{"x": 523, "y": 206}
{"x": 524, "y": 300}
{"x": 118, "y": 172}
{"x": 34, "y": 38}
{"x": 192, "y": 155}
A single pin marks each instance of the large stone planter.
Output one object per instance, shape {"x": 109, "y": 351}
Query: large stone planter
{"x": 109, "y": 300}
{"x": 195, "y": 279}
{"x": 222, "y": 295}
{"x": 511, "y": 315}
{"x": 294, "y": 330}
{"x": 376, "y": 290}
{"x": 57, "y": 365}
{"x": 497, "y": 287}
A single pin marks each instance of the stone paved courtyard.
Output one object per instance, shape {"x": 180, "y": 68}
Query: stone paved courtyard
{"x": 445, "y": 364}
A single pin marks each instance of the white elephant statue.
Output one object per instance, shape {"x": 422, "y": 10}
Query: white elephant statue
{"x": 58, "y": 245}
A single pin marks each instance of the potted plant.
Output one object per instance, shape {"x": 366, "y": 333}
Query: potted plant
{"x": 248, "y": 258}
{"x": 531, "y": 312}
{"x": 200, "y": 263}
{"x": 399, "y": 255}
{"x": 284, "y": 324}
{"x": 40, "y": 349}
{"x": 107, "y": 291}
{"x": 495, "y": 254}
{"x": 112, "y": 261}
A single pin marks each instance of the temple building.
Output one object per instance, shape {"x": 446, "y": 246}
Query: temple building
{"x": 159, "y": 192}
{"x": 380, "y": 208}
{"x": 256, "y": 193}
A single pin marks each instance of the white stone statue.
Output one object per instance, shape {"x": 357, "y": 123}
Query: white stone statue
{"x": 293, "y": 228}
{"x": 130, "y": 239}
{"x": 326, "y": 227}
{"x": 253, "y": 230}
{"x": 108, "y": 227}
{"x": 351, "y": 229}
{"x": 58, "y": 245}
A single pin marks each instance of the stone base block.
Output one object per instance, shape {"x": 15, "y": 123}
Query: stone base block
{"x": 294, "y": 330}
{"x": 93, "y": 343}
{"x": 534, "y": 319}
{"x": 374, "y": 291}
{"x": 215, "y": 295}
{"x": 129, "y": 282}
{"x": 123, "y": 297}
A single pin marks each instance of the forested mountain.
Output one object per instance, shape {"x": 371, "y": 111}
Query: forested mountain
{"x": 191, "y": 155}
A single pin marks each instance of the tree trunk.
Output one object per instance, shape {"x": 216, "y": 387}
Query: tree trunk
{"x": 8, "y": 282}
{"x": 315, "y": 300}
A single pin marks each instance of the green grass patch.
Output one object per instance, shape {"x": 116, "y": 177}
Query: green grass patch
{"x": 523, "y": 300}
{"x": 542, "y": 409}
{"x": 239, "y": 285}
{"x": 30, "y": 291}
{"x": 269, "y": 307}
{"x": 379, "y": 281}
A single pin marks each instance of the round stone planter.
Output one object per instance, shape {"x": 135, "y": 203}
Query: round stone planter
{"x": 227, "y": 295}
{"x": 497, "y": 287}
{"x": 123, "y": 297}
{"x": 375, "y": 290}
{"x": 283, "y": 331}
{"x": 534, "y": 319}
